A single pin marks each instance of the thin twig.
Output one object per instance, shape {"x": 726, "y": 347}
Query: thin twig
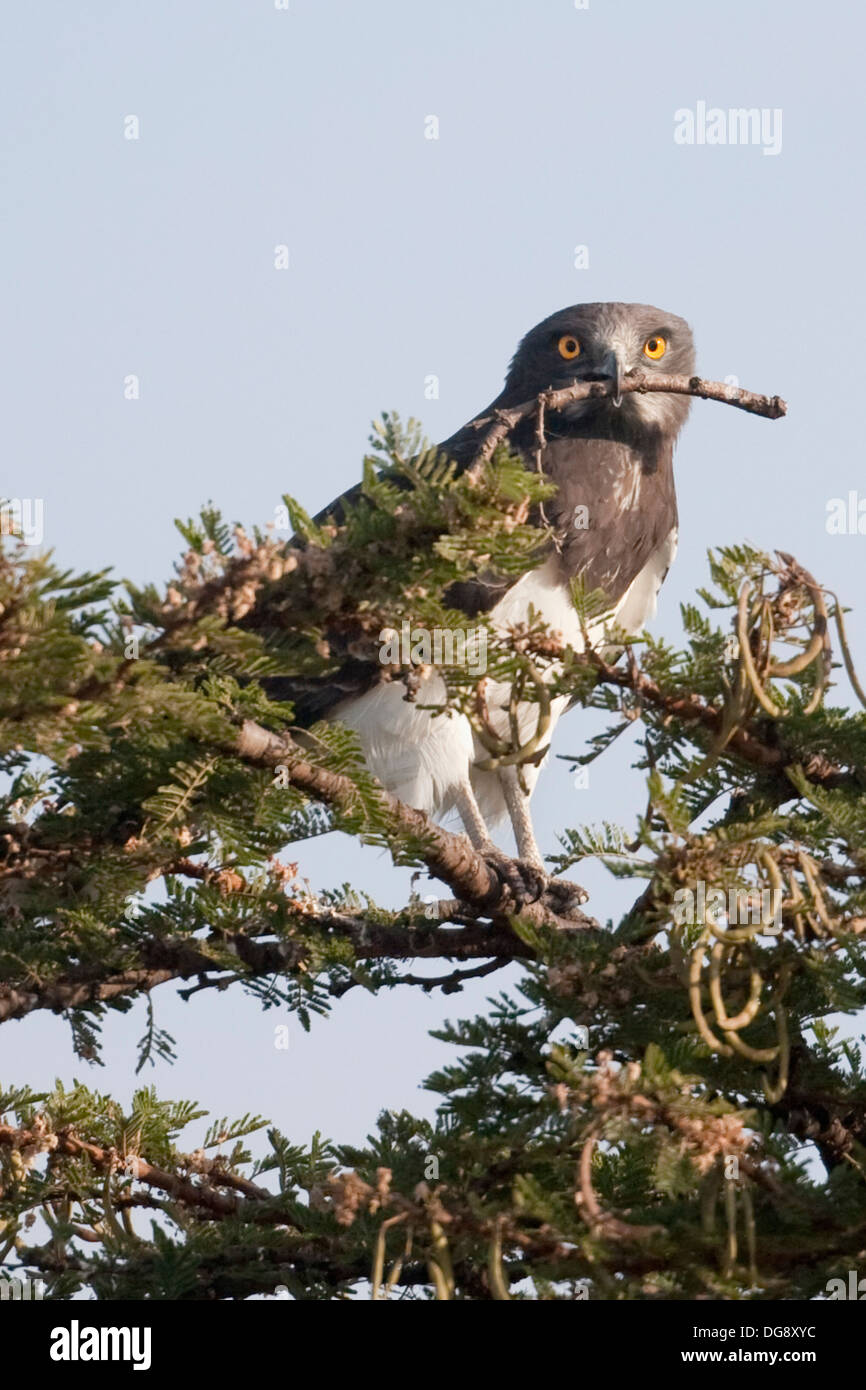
{"x": 498, "y": 426}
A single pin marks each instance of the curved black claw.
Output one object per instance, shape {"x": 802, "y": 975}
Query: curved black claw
{"x": 529, "y": 882}
{"x": 564, "y": 897}
{"x": 525, "y": 881}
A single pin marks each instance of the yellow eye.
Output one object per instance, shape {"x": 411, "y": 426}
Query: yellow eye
{"x": 655, "y": 347}
{"x": 568, "y": 346}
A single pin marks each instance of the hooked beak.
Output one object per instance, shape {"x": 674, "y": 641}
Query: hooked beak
{"x": 614, "y": 371}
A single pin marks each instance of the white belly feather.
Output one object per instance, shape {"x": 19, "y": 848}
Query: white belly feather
{"x": 422, "y": 758}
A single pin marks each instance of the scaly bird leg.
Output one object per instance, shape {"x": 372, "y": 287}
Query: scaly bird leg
{"x": 517, "y": 801}
{"x": 527, "y": 877}
{"x": 470, "y": 814}
{"x": 563, "y": 895}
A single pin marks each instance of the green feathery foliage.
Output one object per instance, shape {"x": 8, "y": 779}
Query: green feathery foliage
{"x": 667, "y": 1105}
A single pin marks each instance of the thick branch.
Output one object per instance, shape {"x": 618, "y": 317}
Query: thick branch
{"x": 164, "y": 960}
{"x": 109, "y": 1160}
{"x": 470, "y": 875}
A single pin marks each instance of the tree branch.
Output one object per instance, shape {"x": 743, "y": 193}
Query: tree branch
{"x": 498, "y": 426}
{"x": 746, "y": 741}
{"x": 163, "y": 960}
{"x": 473, "y": 877}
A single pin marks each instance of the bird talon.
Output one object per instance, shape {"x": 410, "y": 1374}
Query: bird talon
{"x": 564, "y": 897}
{"x": 535, "y": 880}
{"x": 526, "y": 882}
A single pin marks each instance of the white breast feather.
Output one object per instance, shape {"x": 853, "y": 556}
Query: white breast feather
{"x": 423, "y": 758}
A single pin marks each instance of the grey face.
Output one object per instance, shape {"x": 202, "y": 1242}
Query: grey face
{"x": 605, "y": 342}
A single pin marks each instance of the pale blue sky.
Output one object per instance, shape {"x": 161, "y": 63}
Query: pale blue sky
{"x": 408, "y": 257}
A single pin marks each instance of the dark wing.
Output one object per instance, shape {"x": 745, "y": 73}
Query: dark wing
{"x": 589, "y": 466}
{"x": 315, "y": 697}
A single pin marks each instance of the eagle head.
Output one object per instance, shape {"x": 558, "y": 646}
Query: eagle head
{"x": 606, "y": 342}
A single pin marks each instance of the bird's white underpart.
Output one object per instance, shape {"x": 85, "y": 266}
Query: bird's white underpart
{"x": 429, "y": 760}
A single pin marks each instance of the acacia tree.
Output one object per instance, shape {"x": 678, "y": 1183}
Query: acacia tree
{"x": 154, "y": 797}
